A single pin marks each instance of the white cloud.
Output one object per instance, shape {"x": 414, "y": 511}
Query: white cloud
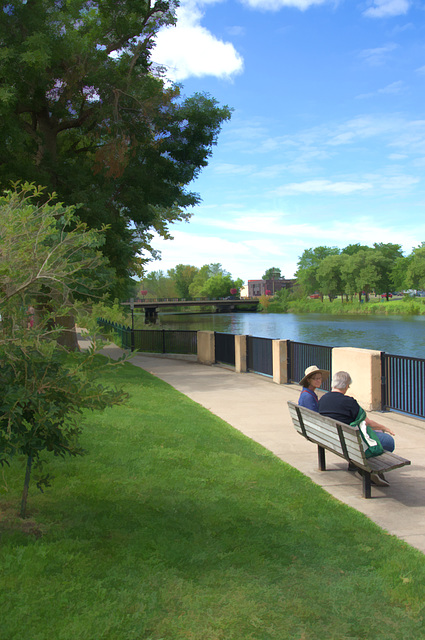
{"x": 387, "y": 8}
{"x": 394, "y": 87}
{"x": 322, "y": 187}
{"x": 390, "y": 89}
{"x": 233, "y": 169}
{"x": 189, "y": 49}
{"x": 275, "y": 5}
{"x": 378, "y": 55}
{"x": 247, "y": 245}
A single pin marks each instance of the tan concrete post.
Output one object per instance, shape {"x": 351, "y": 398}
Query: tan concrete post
{"x": 364, "y": 367}
{"x": 241, "y": 364}
{"x": 206, "y": 347}
{"x": 280, "y": 361}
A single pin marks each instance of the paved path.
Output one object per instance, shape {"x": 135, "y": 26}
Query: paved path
{"x": 257, "y": 407}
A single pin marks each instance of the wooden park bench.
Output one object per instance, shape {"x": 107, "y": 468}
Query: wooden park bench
{"x": 343, "y": 440}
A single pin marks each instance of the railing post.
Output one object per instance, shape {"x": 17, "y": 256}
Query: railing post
{"x": 288, "y": 361}
{"x": 280, "y": 361}
{"x": 206, "y": 347}
{"x": 240, "y": 354}
{"x": 383, "y": 382}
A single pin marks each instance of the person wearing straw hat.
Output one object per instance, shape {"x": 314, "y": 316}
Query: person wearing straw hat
{"x": 312, "y": 380}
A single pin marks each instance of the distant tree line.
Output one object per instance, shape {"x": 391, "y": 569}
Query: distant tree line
{"x": 358, "y": 269}
{"x": 189, "y": 282}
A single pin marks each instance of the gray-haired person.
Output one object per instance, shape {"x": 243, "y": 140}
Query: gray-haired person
{"x": 337, "y": 405}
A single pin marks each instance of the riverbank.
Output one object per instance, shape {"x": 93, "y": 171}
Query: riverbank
{"x": 377, "y": 307}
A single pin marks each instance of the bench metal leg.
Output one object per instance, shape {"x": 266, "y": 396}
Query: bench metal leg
{"x": 366, "y": 484}
{"x": 321, "y": 458}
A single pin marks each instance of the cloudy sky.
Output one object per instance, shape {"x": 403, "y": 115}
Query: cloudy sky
{"x": 326, "y": 145}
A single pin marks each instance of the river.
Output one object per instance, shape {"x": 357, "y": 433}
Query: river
{"x": 400, "y": 335}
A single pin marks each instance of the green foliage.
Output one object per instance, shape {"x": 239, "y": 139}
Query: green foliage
{"x": 197, "y": 287}
{"x": 308, "y": 265}
{"x": 356, "y": 269}
{"x": 183, "y": 276}
{"x": 415, "y": 272}
{"x": 50, "y": 264}
{"x": 90, "y": 116}
{"x": 218, "y": 286}
{"x": 350, "y": 307}
{"x": 273, "y": 273}
{"x": 157, "y": 285}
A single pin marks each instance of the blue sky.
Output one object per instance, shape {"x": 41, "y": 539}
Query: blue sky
{"x": 326, "y": 145}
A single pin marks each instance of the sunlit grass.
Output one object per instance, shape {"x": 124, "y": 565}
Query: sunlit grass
{"x": 377, "y": 306}
{"x": 175, "y": 526}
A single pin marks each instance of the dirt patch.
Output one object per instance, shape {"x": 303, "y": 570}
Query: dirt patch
{"x": 11, "y": 522}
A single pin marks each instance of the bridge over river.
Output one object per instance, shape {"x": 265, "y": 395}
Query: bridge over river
{"x": 222, "y": 305}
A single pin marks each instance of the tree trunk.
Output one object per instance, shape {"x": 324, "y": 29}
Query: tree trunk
{"x": 68, "y": 337}
{"x": 23, "y": 511}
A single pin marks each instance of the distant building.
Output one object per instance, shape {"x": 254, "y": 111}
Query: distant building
{"x": 244, "y": 292}
{"x": 258, "y": 288}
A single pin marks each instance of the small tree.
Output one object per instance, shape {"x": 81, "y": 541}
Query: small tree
{"x": 273, "y": 273}
{"x": 49, "y": 262}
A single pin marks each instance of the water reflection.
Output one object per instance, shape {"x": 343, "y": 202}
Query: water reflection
{"x": 394, "y": 334}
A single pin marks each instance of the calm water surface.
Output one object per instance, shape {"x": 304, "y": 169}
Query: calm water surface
{"x": 399, "y": 335}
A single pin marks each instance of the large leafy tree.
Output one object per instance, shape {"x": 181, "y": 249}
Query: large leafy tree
{"x": 329, "y": 276}
{"x": 415, "y": 271}
{"x": 308, "y": 265}
{"x": 207, "y": 271}
{"x": 157, "y": 284}
{"x": 90, "y": 116}
{"x": 183, "y": 275}
{"x": 389, "y": 253}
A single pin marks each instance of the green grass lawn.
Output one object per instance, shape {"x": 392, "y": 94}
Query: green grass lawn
{"x": 176, "y": 527}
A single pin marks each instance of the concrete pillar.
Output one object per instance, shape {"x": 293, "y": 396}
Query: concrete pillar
{"x": 364, "y": 367}
{"x": 241, "y": 364}
{"x": 206, "y": 347}
{"x": 280, "y": 361}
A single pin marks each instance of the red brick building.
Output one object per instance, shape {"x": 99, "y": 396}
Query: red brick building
{"x": 258, "y": 288}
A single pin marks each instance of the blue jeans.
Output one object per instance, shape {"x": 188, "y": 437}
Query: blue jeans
{"x": 386, "y": 440}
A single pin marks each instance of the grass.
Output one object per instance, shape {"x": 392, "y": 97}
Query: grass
{"x": 409, "y": 307}
{"x": 175, "y": 526}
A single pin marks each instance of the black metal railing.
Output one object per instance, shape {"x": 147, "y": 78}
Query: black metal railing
{"x": 403, "y": 384}
{"x": 260, "y": 355}
{"x": 302, "y": 355}
{"x": 123, "y": 333}
{"x": 165, "y": 341}
{"x": 154, "y": 340}
{"x": 224, "y": 348}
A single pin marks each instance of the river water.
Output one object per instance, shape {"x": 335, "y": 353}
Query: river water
{"x": 400, "y": 335}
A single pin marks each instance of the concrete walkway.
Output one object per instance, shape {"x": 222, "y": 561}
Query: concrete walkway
{"x": 257, "y": 407}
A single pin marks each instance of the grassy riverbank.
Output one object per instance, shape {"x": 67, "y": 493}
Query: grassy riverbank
{"x": 175, "y": 526}
{"x": 378, "y": 306}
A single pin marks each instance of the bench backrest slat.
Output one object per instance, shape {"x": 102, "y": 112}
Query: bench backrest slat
{"x": 330, "y": 434}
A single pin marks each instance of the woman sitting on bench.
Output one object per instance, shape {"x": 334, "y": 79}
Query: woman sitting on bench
{"x": 313, "y": 378}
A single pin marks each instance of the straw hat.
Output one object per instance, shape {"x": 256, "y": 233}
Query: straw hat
{"x": 311, "y": 371}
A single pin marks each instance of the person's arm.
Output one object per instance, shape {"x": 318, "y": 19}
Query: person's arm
{"x": 378, "y": 427}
